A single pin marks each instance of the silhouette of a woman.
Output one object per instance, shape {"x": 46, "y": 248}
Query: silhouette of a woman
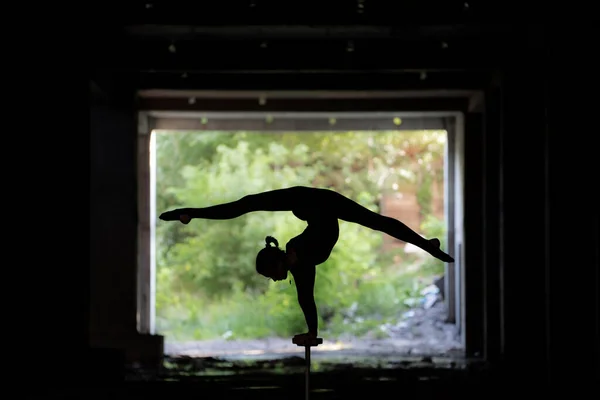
{"x": 321, "y": 209}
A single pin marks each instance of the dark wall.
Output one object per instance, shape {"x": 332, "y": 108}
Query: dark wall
{"x": 113, "y": 210}
{"x": 540, "y": 236}
{"x": 522, "y": 208}
{"x": 572, "y": 239}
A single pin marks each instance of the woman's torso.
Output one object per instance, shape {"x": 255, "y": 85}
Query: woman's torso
{"x": 315, "y": 243}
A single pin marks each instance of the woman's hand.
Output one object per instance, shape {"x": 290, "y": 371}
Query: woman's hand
{"x": 307, "y": 335}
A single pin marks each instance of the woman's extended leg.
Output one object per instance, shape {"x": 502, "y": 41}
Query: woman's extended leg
{"x": 273, "y": 200}
{"x": 349, "y": 210}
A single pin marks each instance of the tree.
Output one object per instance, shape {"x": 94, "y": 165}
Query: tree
{"x": 213, "y": 261}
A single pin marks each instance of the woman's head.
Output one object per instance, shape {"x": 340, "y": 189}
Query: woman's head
{"x": 270, "y": 261}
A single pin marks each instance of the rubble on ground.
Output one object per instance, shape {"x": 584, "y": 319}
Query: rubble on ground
{"x": 421, "y": 331}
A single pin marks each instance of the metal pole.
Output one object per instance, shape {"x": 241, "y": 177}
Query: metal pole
{"x": 307, "y": 358}
{"x": 300, "y": 340}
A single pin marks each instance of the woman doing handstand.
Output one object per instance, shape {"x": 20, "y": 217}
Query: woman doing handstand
{"x": 321, "y": 209}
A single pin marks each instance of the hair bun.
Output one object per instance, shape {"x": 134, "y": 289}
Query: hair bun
{"x": 271, "y": 239}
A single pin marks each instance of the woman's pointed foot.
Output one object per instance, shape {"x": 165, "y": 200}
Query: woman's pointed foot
{"x": 438, "y": 253}
{"x": 445, "y": 257}
{"x": 175, "y": 215}
{"x": 172, "y": 215}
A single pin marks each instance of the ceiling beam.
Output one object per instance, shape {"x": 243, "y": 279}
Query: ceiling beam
{"x": 282, "y": 32}
{"x": 311, "y": 12}
{"x": 458, "y": 104}
{"x": 265, "y": 82}
{"x": 301, "y": 94}
{"x": 378, "y": 55}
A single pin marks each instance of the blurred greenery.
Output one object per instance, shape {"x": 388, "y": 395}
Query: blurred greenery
{"x": 207, "y": 286}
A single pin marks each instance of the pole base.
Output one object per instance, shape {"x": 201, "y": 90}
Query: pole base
{"x": 307, "y": 342}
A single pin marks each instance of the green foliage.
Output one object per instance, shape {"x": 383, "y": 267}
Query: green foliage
{"x": 434, "y": 227}
{"x": 206, "y": 280}
{"x": 424, "y": 196}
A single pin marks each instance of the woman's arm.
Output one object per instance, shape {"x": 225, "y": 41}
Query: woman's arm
{"x": 304, "y": 277}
